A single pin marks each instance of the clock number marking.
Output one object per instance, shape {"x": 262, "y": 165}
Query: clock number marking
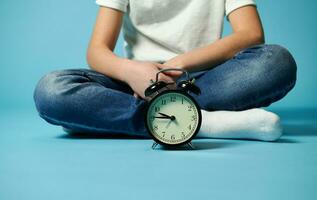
{"x": 163, "y": 132}
{"x": 173, "y": 98}
{"x": 189, "y": 108}
{"x": 182, "y": 100}
{"x": 155, "y": 127}
{"x": 173, "y": 137}
{"x": 163, "y": 102}
{"x": 190, "y": 126}
{"x": 183, "y": 135}
{"x": 193, "y": 118}
{"x": 157, "y": 109}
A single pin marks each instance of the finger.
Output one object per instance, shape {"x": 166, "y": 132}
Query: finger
{"x": 173, "y": 78}
{"x": 173, "y": 73}
{"x": 170, "y": 73}
{"x": 160, "y": 66}
{"x": 172, "y": 86}
{"x": 165, "y": 78}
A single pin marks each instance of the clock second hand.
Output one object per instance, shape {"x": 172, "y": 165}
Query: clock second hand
{"x": 170, "y": 117}
{"x": 167, "y": 125}
{"x": 170, "y": 120}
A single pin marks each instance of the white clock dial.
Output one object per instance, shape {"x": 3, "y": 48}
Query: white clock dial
{"x": 173, "y": 118}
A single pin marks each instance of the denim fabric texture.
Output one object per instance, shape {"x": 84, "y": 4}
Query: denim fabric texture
{"x": 84, "y": 100}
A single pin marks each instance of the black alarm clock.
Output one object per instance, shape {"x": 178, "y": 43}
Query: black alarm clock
{"x": 172, "y": 116}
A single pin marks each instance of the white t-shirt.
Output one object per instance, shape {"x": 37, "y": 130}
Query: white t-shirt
{"x": 157, "y": 30}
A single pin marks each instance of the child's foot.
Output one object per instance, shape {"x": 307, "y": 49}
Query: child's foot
{"x": 254, "y": 123}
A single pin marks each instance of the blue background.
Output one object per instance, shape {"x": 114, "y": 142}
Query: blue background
{"x": 40, "y": 161}
{"x": 40, "y": 36}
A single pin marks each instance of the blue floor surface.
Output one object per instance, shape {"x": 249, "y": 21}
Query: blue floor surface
{"x": 40, "y": 161}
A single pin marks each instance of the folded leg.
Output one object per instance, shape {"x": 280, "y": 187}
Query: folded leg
{"x": 254, "y": 77}
{"x": 88, "y": 101}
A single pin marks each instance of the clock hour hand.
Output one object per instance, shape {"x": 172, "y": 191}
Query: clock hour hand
{"x": 160, "y": 117}
{"x": 170, "y": 117}
{"x": 164, "y": 115}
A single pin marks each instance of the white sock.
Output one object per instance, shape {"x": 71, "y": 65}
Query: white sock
{"x": 255, "y": 123}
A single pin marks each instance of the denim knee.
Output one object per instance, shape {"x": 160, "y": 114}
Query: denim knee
{"x": 255, "y": 77}
{"x": 273, "y": 60}
{"x": 46, "y": 93}
{"x": 277, "y": 70}
{"x": 282, "y": 63}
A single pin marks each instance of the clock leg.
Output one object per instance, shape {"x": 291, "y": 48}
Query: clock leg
{"x": 191, "y": 146}
{"x": 154, "y": 145}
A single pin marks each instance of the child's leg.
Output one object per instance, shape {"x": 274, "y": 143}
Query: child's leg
{"x": 87, "y": 101}
{"x": 254, "y": 78}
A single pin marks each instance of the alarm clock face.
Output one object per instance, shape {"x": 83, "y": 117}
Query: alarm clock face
{"x": 173, "y": 118}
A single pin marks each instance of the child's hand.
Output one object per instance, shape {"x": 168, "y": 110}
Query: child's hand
{"x": 175, "y": 62}
{"x": 139, "y": 75}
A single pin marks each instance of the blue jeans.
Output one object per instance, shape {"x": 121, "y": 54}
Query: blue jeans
{"x": 86, "y": 101}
